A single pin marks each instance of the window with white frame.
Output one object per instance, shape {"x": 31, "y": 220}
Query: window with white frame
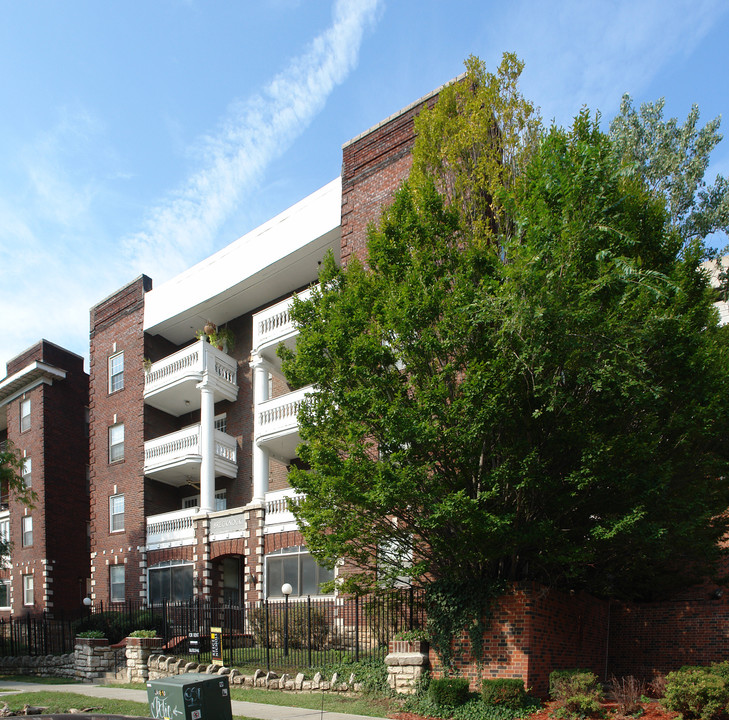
{"x": 194, "y": 501}
{"x": 28, "y": 587}
{"x": 24, "y": 415}
{"x": 26, "y": 525}
{"x": 116, "y": 372}
{"x": 116, "y": 583}
{"x": 221, "y": 422}
{"x": 27, "y": 472}
{"x": 116, "y": 513}
{"x": 5, "y": 540}
{"x": 4, "y": 594}
{"x": 170, "y": 580}
{"x": 294, "y": 565}
{"x": 116, "y": 442}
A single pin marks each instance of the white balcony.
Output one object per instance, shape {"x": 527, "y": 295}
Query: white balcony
{"x": 171, "y": 384}
{"x": 172, "y": 529}
{"x": 274, "y": 326}
{"x": 276, "y": 425}
{"x": 175, "y": 458}
{"x": 278, "y": 516}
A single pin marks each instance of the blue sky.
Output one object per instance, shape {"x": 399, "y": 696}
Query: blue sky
{"x": 142, "y": 136}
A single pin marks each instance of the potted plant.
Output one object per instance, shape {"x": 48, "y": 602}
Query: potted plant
{"x": 410, "y": 641}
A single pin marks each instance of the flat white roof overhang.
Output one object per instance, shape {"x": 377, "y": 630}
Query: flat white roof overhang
{"x": 271, "y": 261}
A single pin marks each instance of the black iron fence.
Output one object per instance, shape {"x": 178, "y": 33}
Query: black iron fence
{"x": 270, "y": 634}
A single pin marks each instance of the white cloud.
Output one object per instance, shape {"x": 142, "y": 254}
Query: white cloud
{"x": 181, "y": 229}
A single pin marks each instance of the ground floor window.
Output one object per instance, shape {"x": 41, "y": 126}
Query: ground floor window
{"x": 27, "y": 589}
{"x": 294, "y": 565}
{"x": 4, "y": 593}
{"x": 116, "y": 583}
{"x": 171, "y": 581}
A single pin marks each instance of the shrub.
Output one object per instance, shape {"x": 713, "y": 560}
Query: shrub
{"x": 449, "y": 692}
{"x": 508, "y": 692}
{"x": 697, "y": 692}
{"x": 411, "y": 635}
{"x": 563, "y": 683}
{"x": 143, "y": 634}
{"x": 90, "y": 634}
{"x": 577, "y": 692}
{"x": 298, "y": 626}
{"x": 627, "y": 692}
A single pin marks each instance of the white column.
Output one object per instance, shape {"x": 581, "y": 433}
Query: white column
{"x": 260, "y": 456}
{"x": 207, "y": 443}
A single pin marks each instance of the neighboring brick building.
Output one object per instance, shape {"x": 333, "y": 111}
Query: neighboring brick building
{"x": 43, "y": 414}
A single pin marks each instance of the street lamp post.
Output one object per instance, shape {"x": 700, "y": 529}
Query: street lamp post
{"x": 286, "y": 589}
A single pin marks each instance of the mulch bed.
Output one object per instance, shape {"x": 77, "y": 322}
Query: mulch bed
{"x": 651, "y": 711}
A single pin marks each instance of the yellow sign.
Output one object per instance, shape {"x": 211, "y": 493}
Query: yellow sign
{"x": 216, "y": 644}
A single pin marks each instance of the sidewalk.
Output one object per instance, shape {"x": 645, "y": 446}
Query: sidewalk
{"x": 247, "y": 709}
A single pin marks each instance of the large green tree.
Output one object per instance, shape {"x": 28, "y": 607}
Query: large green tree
{"x": 526, "y": 380}
{"x": 12, "y": 484}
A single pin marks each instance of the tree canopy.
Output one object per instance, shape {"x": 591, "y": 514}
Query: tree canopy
{"x": 12, "y": 483}
{"x": 527, "y": 379}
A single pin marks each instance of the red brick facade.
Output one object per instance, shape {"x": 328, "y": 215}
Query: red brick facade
{"x": 56, "y": 445}
{"x": 116, "y": 327}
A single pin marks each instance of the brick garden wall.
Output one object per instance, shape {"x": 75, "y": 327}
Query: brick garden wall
{"x": 534, "y": 630}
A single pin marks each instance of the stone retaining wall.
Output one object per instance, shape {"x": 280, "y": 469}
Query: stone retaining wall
{"x": 161, "y": 666}
{"x": 63, "y": 666}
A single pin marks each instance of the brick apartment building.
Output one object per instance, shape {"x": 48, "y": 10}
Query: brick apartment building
{"x": 43, "y": 414}
{"x": 190, "y": 443}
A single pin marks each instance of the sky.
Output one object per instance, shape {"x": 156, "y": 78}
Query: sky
{"x": 140, "y": 137}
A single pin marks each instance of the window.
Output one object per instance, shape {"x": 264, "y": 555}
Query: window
{"x": 24, "y": 415}
{"x": 5, "y": 540}
{"x": 27, "y": 589}
{"x": 116, "y": 513}
{"x": 27, "y": 472}
{"x": 116, "y": 583}
{"x": 194, "y": 501}
{"x": 27, "y": 530}
{"x": 298, "y": 568}
{"x": 4, "y": 593}
{"x": 116, "y": 442}
{"x": 170, "y": 580}
{"x": 393, "y": 554}
{"x": 221, "y": 422}
{"x": 116, "y": 372}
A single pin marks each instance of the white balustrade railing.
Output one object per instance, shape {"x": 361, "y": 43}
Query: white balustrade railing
{"x": 190, "y": 362}
{"x": 278, "y": 501}
{"x": 176, "y": 445}
{"x": 172, "y": 528}
{"x": 225, "y": 447}
{"x": 279, "y": 415}
{"x": 275, "y": 323}
{"x": 278, "y": 516}
{"x": 184, "y": 444}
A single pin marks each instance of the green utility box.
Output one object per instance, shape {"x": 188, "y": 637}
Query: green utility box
{"x": 193, "y": 696}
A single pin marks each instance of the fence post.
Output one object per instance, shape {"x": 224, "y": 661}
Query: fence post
{"x": 356, "y": 628}
{"x": 268, "y": 638}
{"x": 29, "y": 633}
{"x": 412, "y": 604}
{"x": 308, "y": 613}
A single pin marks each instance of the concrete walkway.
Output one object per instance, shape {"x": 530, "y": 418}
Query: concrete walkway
{"x": 247, "y": 709}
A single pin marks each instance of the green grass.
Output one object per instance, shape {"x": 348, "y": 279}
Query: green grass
{"x": 62, "y": 702}
{"x": 40, "y": 680}
{"x": 333, "y": 702}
